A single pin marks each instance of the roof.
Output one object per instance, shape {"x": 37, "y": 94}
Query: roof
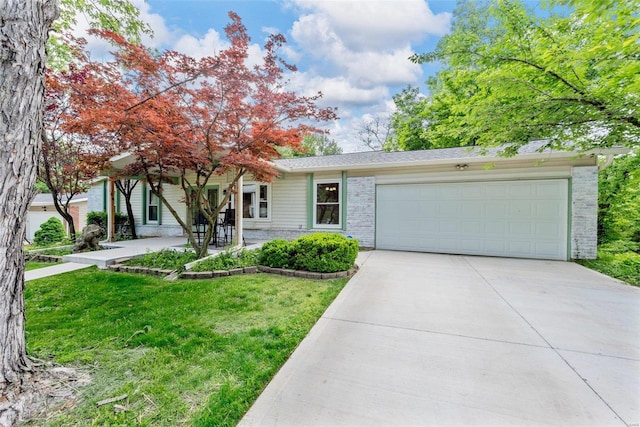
{"x": 374, "y": 159}
{"x": 45, "y": 199}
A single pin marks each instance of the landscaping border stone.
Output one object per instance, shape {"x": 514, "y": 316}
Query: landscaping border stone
{"x": 195, "y": 275}
{"x": 45, "y": 258}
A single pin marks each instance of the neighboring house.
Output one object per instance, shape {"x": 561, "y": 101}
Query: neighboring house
{"x": 457, "y": 200}
{"x": 42, "y": 208}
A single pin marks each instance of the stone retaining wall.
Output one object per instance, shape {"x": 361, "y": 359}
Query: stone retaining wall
{"x": 234, "y": 271}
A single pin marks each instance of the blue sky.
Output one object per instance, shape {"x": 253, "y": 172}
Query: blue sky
{"x": 354, "y": 51}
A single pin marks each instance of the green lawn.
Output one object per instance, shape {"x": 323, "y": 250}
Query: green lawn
{"x": 185, "y": 352}
{"x": 33, "y": 265}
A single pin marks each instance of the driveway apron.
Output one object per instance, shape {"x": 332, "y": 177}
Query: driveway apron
{"x": 428, "y": 339}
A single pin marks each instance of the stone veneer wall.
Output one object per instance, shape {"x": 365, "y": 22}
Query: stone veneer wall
{"x": 361, "y": 210}
{"x": 584, "y": 212}
{"x": 95, "y": 199}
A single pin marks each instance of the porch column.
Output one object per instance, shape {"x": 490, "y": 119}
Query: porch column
{"x": 239, "y": 208}
{"x": 111, "y": 213}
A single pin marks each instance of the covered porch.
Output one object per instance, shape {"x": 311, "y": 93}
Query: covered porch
{"x": 153, "y": 218}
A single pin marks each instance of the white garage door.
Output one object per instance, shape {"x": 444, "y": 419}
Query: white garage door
{"x": 36, "y": 219}
{"x": 524, "y": 219}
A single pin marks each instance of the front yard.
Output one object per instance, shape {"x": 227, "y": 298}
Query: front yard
{"x": 184, "y": 353}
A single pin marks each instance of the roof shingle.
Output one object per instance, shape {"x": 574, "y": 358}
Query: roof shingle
{"x": 387, "y": 158}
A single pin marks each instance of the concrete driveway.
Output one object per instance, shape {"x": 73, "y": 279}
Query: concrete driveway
{"x": 442, "y": 340}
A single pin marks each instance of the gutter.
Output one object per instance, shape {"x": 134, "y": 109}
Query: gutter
{"x": 453, "y": 160}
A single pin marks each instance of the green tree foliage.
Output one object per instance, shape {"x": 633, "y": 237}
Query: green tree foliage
{"x": 570, "y": 74}
{"x": 619, "y": 200}
{"x": 120, "y": 16}
{"x": 51, "y": 231}
{"x": 417, "y": 120}
{"x": 313, "y": 144}
{"x": 41, "y": 187}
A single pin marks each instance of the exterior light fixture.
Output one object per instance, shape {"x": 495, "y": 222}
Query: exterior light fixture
{"x": 462, "y": 167}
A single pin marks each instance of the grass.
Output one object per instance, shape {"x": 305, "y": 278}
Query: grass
{"x": 34, "y": 265}
{"x": 186, "y": 353}
{"x": 617, "y": 260}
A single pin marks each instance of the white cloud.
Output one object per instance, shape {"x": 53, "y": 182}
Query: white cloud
{"x": 376, "y": 25}
{"x": 386, "y": 32}
{"x": 208, "y": 45}
{"x": 359, "y": 49}
{"x": 336, "y": 90}
{"x": 374, "y": 68}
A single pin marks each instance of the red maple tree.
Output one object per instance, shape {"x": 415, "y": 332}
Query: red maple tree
{"x": 72, "y": 152}
{"x": 190, "y": 120}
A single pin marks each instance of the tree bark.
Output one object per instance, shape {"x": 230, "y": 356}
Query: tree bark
{"x": 126, "y": 186}
{"x": 24, "y": 27}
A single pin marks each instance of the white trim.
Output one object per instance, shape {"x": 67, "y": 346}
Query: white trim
{"x": 157, "y": 205}
{"x": 337, "y": 181}
{"x": 256, "y": 201}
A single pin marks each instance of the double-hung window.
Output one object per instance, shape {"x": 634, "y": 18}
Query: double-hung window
{"x": 255, "y": 201}
{"x": 152, "y": 207}
{"x": 327, "y": 209}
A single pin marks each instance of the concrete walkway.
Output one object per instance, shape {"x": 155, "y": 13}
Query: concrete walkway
{"x": 117, "y": 251}
{"x": 53, "y": 270}
{"x": 427, "y": 339}
{"x": 125, "y": 249}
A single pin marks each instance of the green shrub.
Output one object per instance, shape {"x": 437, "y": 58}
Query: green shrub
{"x": 51, "y": 231}
{"x": 619, "y": 246}
{"x": 166, "y": 259}
{"x": 278, "y": 253}
{"x": 98, "y": 218}
{"x": 227, "y": 260}
{"x": 325, "y": 252}
{"x": 617, "y": 259}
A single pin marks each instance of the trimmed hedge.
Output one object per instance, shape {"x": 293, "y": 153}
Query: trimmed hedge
{"x": 277, "y": 253}
{"x": 325, "y": 252}
{"x": 318, "y": 252}
{"x": 97, "y": 218}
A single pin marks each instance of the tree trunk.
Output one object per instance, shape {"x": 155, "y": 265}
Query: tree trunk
{"x": 126, "y": 186}
{"x": 63, "y": 210}
{"x": 24, "y": 26}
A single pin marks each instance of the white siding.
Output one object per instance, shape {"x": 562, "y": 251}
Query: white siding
{"x": 174, "y": 195}
{"x": 289, "y": 202}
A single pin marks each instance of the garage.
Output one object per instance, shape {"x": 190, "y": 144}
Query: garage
{"x": 36, "y": 219}
{"x": 522, "y": 219}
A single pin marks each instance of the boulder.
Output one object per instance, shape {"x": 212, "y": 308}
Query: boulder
{"x": 90, "y": 239}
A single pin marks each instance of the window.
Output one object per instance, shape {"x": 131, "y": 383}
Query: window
{"x": 255, "y": 201}
{"x": 327, "y": 204}
{"x": 152, "y": 207}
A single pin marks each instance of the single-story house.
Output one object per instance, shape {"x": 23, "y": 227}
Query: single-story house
{"x": 42, "y": 208}
{"x": 536, "y": 204}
